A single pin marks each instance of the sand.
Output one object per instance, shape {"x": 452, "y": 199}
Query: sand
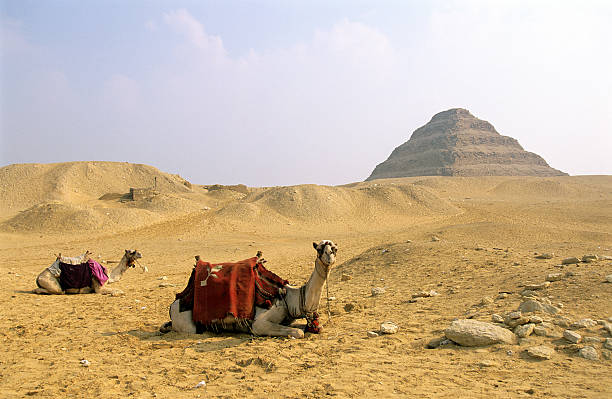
{"x": 489, "y": 231}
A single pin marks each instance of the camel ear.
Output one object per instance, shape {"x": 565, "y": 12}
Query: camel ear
{"x": 314, "y": 244}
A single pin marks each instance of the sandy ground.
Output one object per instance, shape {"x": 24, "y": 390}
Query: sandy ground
{"x": 489, "y": 230}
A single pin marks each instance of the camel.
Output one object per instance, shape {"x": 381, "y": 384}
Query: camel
{"x": 297, "y": 303}
{"x": 49, "y": 280}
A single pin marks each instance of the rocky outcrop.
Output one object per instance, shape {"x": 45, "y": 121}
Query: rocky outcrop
{"x": 456, "y": 143}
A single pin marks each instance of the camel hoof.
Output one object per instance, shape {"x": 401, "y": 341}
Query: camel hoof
{"x": 297, "y": 333}
{"x": 166, "y": 327}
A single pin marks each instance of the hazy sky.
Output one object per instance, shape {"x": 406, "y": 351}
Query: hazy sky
{"x": 290, "y": 92}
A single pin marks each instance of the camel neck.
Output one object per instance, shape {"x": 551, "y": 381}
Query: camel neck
{"x": 118, "y": 271}
{"x": 314, "y": 286}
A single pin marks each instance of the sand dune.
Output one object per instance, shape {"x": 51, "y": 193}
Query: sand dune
{"x": 487, "y": 231}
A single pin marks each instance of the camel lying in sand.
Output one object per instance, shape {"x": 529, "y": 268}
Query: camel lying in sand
{"x": 296, "y": 303}
{"x": 49, "y": 280}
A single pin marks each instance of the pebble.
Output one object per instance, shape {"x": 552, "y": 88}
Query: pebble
{"x": 85, "y": 363}
{"x": 609, "y": 278}
{"x": 497, "y": 318}
{"x": 524, "y": 330}
{"x": 545, "y": 256}
{"x": 166, "y": 284}
{"x": 425, "y": 294}
{"x": 389, "y": 327}
{"x": 163, "y": 278}
{"x": 584, "y": 323}
{"x": 541, "y": 352}
{"x": 378, "y": 291}
{"x": 535, "y": 287}
{"x": 589, "y": 353}
{"x": 200, "y": 384}
{"x": 554, "y": 276}
{"x": 572, "y": 336}
{"x": 502, "y": 295}
{"x": 539, "y": 331}
{"x": 434, "y": 239}
{"x": 372, "y": 334}
{"x": 535, "y": 319}
{"x": 346, "y": 277}
{"x": 569, "y": 261}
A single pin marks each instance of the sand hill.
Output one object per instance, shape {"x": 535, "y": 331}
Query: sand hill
{"x": 456, "y": 143}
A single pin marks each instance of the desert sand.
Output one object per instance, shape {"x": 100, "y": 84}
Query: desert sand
{"x": 469, "y": 239}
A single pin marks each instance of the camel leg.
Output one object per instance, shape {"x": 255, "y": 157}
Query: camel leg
{"x": 48, "y": 284}
{"x": 103, "y": 290}
{"x": 181, "y": 321}
{"x": 268, "y": 323}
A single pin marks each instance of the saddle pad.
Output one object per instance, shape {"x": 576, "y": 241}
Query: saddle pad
{"x": 235, "y": 289}
{"x": 79, "y": 276}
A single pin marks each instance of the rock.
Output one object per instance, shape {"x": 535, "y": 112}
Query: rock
{"x": 532, "y": 305}
{"x": 349, "y": 307}
{"x": 389, "y": 327}
{"x": 562, "y": 322}
{"x": 535, "y": 287}
{"x": 514, "y": 315}
{"x": 554, "y": 276}
{"x": 589, "y": 353}
{"x": 545, "y": 256}
{"x": 524, "y": 331}
{"x": 85, "y": 363}
{"x": 608, "y": 343}
{"x": 502, "y": 295}
{"x": 200, "y": 384}
{"x": 163, "y": 278}
{"x": 539, "y": 331}
{"x": 605, "y": 257}
{"x": 572, "y": 336}
{"x": 497, "y": 318}
{"x": 378, "y": 291}
{"x": 535, "y": 319}
{"x": 607, "y": 355}
{"x": 345, "y": 277}
{"x": 609, "y": 278}
{"x": 469, "y": 332}
{"x": 372, "y": 334}
{"x": 425, "y": 294}
{"x": 529, "y": 293}
{"x": 589, "y": 258}
{"x": 584, "y": 323}
{"x": 436, "y": 342}
{"x": 165, "y": 284}
{"x": 592, "y": 340}
{"x": 569, "y": 261}
{"x": 434, "y": 239}
{"x": 541, "y": 352}
{"x": 516, "y": 322}
{"x": 487, "y": 300}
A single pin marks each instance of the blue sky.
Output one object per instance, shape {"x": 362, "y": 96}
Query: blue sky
{"x": 286, "y": 92}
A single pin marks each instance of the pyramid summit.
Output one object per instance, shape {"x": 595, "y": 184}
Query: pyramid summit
{"x": 456, "y": 143}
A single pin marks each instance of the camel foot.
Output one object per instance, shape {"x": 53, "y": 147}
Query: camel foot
{"x": 42, "y": 291}
{"x": 296, "y": 333}
{"x": 117, "y": 293}
{"x": 166, "y": 327}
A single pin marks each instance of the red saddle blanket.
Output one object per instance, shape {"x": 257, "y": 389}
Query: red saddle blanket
{"x": 217, "y": 290}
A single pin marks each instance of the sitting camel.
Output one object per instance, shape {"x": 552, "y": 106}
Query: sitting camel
{"x": 49, "y": 280}
{"x": 296, "y": 303}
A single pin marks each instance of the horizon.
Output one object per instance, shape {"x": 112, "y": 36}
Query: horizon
{"x": 268, "y": 93}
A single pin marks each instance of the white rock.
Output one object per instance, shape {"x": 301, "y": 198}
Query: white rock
{"x": 372, "y": 334}
{"x": 535, "y": 287}
{"x": 200, "y": 384}
{"x": 378, "y": 291}
{"x": 388, "y": 327}
{"x": 572, "y": 336}
{"x": 540, "y": 352}
{"x": 85, "y": 363}
{"x": 469, "y": 332}
{"x": 589, "y": 353}
{"x": 554, "y": 276}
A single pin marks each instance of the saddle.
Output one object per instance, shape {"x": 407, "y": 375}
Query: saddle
{"x": 79, "y": 275}
{"x": 215, "y": 291}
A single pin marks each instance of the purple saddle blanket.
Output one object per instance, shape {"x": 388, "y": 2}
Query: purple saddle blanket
{"x": 79, "y": 276}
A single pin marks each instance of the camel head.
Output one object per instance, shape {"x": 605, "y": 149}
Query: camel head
{"x": 132, "y": 256}
{"x": 326, "y": 252}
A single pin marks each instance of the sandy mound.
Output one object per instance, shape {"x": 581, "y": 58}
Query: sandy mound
{"x": 25, "y": 185}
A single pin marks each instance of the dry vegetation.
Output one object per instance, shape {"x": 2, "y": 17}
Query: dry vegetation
{"x": 489, "y": 230}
